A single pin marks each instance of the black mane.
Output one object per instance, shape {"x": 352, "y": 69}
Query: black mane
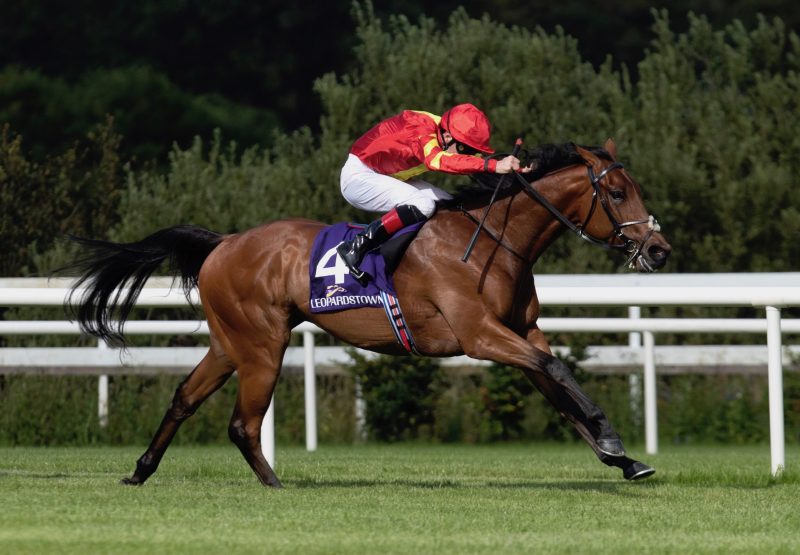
{"x": 544, "y": 159}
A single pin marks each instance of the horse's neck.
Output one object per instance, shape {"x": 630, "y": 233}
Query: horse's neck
{"x": 527, "y": 226}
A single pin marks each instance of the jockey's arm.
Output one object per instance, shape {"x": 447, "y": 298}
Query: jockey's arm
{"x": 437, "y": 159}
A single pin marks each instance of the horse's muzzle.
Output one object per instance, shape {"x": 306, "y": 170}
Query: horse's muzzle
{"x": 654, "y": 256}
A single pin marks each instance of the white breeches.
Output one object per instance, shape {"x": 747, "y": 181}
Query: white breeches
{"x": 369, "y": 190}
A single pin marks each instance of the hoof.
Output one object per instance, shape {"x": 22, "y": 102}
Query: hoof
{"x": 273, "y": 483}
{"x": 132, "y": 481}
{"x": 612, "y": 447}
{"x": 638, "y": 471}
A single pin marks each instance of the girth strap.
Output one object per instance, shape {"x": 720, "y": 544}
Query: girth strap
{"x": 398, "y": 322}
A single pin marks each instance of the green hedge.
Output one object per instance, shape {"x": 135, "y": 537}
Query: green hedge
{"x": 493, "y": 405}
{"x": 708, "y": 127}
{"x": 62, "y": 410}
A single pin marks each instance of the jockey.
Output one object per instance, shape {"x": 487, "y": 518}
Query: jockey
{"x": 381, "y": 171}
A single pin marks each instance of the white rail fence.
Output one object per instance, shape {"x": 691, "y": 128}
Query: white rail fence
{"x": 771, "y": 291}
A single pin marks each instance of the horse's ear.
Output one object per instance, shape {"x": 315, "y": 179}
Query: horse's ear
{"x": 611, "y": 147}
{"x": 587, "y": 155}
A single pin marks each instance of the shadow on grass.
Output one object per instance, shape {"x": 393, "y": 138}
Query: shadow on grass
{"x": 710, "y": 480}
{"x": 595, "y": 486}
{"x": 34, "y": 475}
{"x": 620, "y": 487}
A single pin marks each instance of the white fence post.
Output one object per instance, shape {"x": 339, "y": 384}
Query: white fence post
{"x": 650, "y": 408}
{"x": 310, "y": 391}
{"x": 361, "y": 413}
{"x": 634, "y": 382}
{"x": 102, "y": 392}
{"x": 775, "y": 377}
{"x": 268, "y": 434}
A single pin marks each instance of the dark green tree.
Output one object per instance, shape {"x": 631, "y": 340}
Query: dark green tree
{"x": 76, "y": 192}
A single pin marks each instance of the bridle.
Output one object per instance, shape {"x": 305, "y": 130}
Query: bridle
{"x": 632, "y": 247}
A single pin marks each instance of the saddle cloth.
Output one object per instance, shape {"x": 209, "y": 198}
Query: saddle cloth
{"x": 332, "y": 286}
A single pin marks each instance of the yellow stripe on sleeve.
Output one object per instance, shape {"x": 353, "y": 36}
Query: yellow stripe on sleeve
{"x": 429, "y": 146}
{"x": 436, "y": 161}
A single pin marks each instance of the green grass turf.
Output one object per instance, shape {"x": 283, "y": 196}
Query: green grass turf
{"x": 405, "y": 499}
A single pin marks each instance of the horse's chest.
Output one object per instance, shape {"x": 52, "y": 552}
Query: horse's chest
{"x": 517, "y": 306}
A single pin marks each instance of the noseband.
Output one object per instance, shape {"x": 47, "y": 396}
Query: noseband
{"x": 630, "y": 246}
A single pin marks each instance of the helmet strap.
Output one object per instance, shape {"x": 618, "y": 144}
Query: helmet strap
{"x": 446, "y": 144}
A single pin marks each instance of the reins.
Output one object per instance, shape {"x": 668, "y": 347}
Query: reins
{"x": 631, "y": 247}
{"x": 471, "y": 245}
{"x": 494, "y": 237}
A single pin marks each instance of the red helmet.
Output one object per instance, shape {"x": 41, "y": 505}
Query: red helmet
{"x": 468, "y": 126}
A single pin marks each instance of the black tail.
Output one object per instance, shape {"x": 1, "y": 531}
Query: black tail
{"x": 111, "y": 275}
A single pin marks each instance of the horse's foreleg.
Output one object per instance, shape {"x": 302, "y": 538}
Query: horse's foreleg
{"x": 491, "y": 340}
{"x": 632, "y": 469}
{"x": 571, "y": 401}
{"x": 204, "y": 380}
{"x": 256, "y": 385}
{"x": 558, "y": 385}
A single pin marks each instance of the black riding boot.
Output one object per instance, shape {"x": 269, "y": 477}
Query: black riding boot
{"x": 375, "y": 234}
{"x": 352, "y": 252}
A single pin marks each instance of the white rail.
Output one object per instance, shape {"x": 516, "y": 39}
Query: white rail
{"x": 770, "y": 291}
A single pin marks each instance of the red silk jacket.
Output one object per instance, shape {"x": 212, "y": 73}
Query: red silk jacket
{"x": 407, "y": 145}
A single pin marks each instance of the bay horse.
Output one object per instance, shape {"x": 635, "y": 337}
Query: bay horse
{"x": 254, "y": 288}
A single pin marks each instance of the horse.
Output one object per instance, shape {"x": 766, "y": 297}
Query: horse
{"x": 254, "y": 288}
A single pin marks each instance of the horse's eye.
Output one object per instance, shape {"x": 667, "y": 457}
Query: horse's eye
{"x": 616, "y": 194}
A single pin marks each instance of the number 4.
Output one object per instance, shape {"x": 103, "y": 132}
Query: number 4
{"x": 338, "y": 270}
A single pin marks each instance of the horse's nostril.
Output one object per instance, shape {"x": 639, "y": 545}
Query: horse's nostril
{"x": 657, "y": 253}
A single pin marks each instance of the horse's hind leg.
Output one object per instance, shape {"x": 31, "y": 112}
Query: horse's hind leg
{"x": 256, "y": 384}
{"x": 258, "y": 354}
{"x": 255, "y": 337}
{"x": 204, "y": 380}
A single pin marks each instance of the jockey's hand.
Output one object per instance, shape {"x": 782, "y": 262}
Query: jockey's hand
{"x": 510, "y": 164}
